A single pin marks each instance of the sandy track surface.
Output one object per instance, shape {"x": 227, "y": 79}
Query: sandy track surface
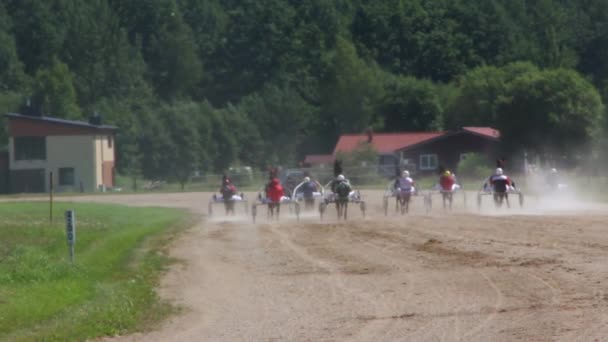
{"x": 534, "y": 275}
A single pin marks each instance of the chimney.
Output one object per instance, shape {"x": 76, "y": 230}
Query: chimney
{"x": 29, "y": 109}
{"x": 95, "y": 119}
{"x": 370, "y": 135}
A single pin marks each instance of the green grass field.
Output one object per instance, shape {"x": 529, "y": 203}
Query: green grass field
{"x": 110, "y": 287}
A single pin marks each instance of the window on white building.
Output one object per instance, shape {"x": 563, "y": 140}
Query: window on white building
{"x": 428, "y": 161}
{"x": 66, "y": 176}
{"x": 30, "y": 148}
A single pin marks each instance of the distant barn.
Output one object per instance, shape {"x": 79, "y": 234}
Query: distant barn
{"x": 421, "y": 152}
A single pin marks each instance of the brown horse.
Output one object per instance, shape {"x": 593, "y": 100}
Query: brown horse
{"x": 403, "y": 199}
{"x": 500, "y": 198}
{"x": 342, "y": 208}
{"x": 274, "y": 209}
{"x": 448, "y": 198}
{"x": 228, "y": 202}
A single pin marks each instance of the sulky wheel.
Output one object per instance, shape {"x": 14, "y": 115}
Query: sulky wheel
{"x": 385, "y": 205}
{"x": 428, "y": 203}
{"x": 521, "y": 200}
{"x": 363, "y": 208}
{"x": 297, "y": 210}
{"x": 322, "y": 207}
{"x": 254, "y": 211}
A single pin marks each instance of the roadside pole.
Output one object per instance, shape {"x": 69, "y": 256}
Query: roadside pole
{"x": 70, "y": 229}
{"x": 51, "y": 185}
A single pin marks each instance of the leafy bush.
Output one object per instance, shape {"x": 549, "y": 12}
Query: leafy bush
{"x": 361, "y": 165}
{"x": 474, "y": 165}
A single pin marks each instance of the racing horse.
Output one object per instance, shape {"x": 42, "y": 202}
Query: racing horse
{"x": 341, "y": 189}
{"x": 403, "y": 201}
{"x": 274, "y": 193}
{"x": 342, "y": 206}
{"x": 501, "y": 197}
{"x": 228, "y": 203}
{"x": 228, "y": 191}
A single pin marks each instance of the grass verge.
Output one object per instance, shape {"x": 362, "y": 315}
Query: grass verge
{"x": 109, "y": 290}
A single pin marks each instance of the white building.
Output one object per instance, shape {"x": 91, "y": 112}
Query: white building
{"x": 80, "y": 155}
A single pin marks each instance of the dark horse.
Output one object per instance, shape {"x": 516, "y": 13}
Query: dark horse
{"x": 228, "y": 203}
{"x": 274, "y": 208}
{"x": 228, "y": 190}
{"x": 500, "y": 198}
{"x": 341, "y": 199}
{"x": 403, "y": 201}
{"x": 342, "y": 208}
{"x": 448, "y": 198}
{"x": 501, "y": 189}
{"x": 274, "y": 193}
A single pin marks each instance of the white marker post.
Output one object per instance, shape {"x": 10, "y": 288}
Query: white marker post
{"x": 70, "y": 229}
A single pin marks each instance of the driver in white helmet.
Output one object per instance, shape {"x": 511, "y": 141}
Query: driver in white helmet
{"x": 404, "y": 183}
{"x": 307, "y": 190}
{"x": 341, "y": 188}
{"x": 500, "y": 182}
{"x": 339, "y": 179}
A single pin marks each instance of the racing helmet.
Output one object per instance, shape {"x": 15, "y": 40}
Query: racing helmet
{"x": 405, "y": 173}
{"x": 447, "y": 173}
{"x": 340, "y": 178}
{"x": 307, "y": 179}
{"x": 499, "y": 171}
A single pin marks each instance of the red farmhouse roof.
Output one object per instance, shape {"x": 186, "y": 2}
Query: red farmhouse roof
{"x": 384, "y": 142}
{"x": 319, "y": 159}
{"x": 485, "y": 131}
{"x": 391, "y": 142}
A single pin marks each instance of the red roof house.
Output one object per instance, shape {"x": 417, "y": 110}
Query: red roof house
{"x": 383, "y": 142}
{"x": 419, "y": 151}
{"x": 321, "y": 160}
{"x": 484, "y": 131}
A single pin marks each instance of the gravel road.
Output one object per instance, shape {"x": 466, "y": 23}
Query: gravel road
{"x": 539, "y": 274}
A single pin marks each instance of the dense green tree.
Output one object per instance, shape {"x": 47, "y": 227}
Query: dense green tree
{"x": 156, "y": 148}
{"x": 177, "y": 118}
{"x": 281, "y": 116}
{"x": 267, "y": 81}
{"x": 224, "y": 144}
{"x": 142, "y": 19}
{"x": 429, "y": 39}
{"x": 175, "y": 67}
{"x": 54, "y": 92}
{"x": 551, "y": 112}
{"x": 349, "y": 92}
{"x": 131, "y": 116}
{"x": 555, "y": 36}
{"x": 410, "y": 104}
{"x": 254, "y": 48}
{"x": 249, "y": 145}
{"x": 480, "y": 93}
{"x": 12, "y": 76}
{"x": 39, "y": 28}
{"x": 103, "y": 62}
{"x": 592, "y": 38}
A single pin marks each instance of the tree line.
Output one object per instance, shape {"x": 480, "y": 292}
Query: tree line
{"x": 206, "y": 84}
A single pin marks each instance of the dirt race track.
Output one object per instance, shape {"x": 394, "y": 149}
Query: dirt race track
{"x": 535, "y": 275}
